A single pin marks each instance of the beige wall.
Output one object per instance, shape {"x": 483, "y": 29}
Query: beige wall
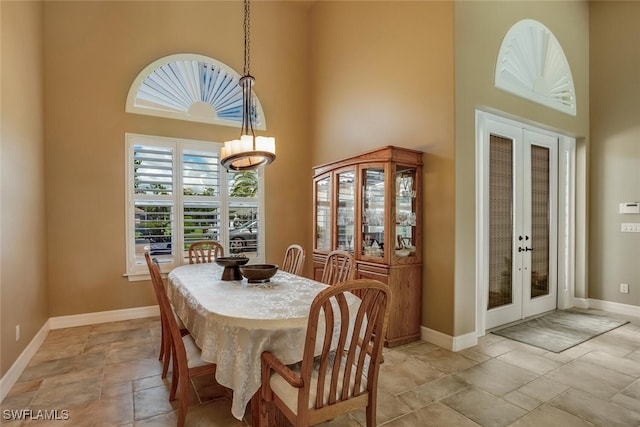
{"x": 479, "y": 30}
{"x": 382, "y": 74}
{"x": 23, "y": 245}
{"x": 93, "y": 52}
{"x": 615, "y": 150}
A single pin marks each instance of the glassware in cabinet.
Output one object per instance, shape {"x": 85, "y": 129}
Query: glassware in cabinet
{"x": 373, "y": 212}
{"x": 345, "y": 224}
{"x": 405, "y": 211}
{"x": 323, "y": 213}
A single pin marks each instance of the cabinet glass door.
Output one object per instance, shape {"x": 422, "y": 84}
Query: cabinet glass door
{"x": 346, "y": 210}
{"x": 373, "y": 214}
{"x": 405, "y": 231}
{"x": 323, "y": 213}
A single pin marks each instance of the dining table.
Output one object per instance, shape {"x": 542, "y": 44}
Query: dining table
{"x": 234, "y": 321}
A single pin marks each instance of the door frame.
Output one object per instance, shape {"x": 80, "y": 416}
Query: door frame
{"x": 566, "y": 212}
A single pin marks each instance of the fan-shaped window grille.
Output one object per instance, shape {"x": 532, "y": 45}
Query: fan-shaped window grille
{"x": 532, "y": 64}
{"x": 191, "y": 87}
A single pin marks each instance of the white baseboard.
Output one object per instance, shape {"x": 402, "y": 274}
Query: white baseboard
{"x": 447, "y": 341}
{"x": 465, "y": 341}
{"x": 581, "y": 302}
{"x": 615, "y": 307}
{"x": 103, "y": 317}
{"x": 11, "y": 376}
{"x": 14, "y": 372}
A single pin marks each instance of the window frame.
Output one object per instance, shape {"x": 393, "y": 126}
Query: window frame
{"x": 135, "y": 270}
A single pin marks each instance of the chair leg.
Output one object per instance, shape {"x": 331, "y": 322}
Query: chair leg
{"x": 175, "y": 376}
{"x": 162, "y": 340}
{"x": 184, "y": 398}
{"x": 371, "y": 411}
{"x": 167, "y": 351}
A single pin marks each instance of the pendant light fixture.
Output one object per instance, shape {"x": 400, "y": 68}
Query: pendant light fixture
{"x": 250, "y": 151}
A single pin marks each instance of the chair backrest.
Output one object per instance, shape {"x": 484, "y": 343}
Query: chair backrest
{"x": 165, "y": 307}
{"x": 348, "y": 365}
{"x": 206, "y": 251}
{"x": 293, "y": 259}
{"x": 339, "y": 267}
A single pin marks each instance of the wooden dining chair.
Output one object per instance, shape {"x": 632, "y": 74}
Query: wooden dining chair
{"x": 293, "y": 259}
{"x": 205, "y": 251}
{"x": 344, "y": 376}
{"x": 165, "y": 342}
{"x": 185, "y": 353}
{"x": 339, "y": 267}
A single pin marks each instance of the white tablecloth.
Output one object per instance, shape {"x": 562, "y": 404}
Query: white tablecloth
{"x": 233, "y": 322}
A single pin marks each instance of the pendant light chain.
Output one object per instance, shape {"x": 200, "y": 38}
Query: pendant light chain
{"x": 247, "y": 38}
{"x": 247, "y": 81}
{"x": 250, "y": 151}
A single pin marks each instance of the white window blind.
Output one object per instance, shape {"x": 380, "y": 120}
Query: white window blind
{"x": 178, "y": 194}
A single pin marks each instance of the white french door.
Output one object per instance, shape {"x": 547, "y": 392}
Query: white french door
{"x": 521, "y": 222}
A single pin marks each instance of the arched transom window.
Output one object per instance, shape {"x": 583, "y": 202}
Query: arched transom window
{"x": 532, "y": 65}
{"x": 191, "y": 87}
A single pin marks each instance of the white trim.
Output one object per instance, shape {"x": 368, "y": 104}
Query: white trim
{"x": 103, "y": 317}
{"x": 14, "y": 372}
{"x": 614, "y": 307}
{"x": 566, "y": 221}
{"x": 482, "y": 271}
{"x": 447, "y": 341}
{"x": 464, "y": 341}
{"x": 580, "y": 303}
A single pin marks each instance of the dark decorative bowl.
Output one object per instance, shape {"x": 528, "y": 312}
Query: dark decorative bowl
{"x": 231, "y": 264}
{"x": 258, "y": 273}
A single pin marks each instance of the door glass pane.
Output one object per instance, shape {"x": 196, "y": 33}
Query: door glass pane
{"x": 346, "y": 210}
{"x": 373, "y": 213}
{"x": 540, "y": 175}
{"x": 500, "y": 221}
{"x": 323, "y": 214}
{"x": 405, "y": 211}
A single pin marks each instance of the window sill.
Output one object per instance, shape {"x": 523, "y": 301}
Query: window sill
{"x": 140, "y": 277}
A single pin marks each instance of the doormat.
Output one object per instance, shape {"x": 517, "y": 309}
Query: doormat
{"x": 560, "y": 330}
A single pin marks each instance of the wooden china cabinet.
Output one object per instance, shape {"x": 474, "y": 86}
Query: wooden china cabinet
{"x": 371, "y": 206}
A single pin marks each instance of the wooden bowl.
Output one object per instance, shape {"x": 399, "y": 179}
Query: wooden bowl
{"x": 258, "y": 273}
{"x": 231, "y": 264}
{"x": 230, "y": 261}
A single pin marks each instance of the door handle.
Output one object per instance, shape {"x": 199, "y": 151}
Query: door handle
{"x": 528, "y": 249}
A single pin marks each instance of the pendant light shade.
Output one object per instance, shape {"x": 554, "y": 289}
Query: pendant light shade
{"x": 249, "y": 151}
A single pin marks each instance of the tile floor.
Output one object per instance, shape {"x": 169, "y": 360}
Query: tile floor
{"x": 109, "y": 375}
